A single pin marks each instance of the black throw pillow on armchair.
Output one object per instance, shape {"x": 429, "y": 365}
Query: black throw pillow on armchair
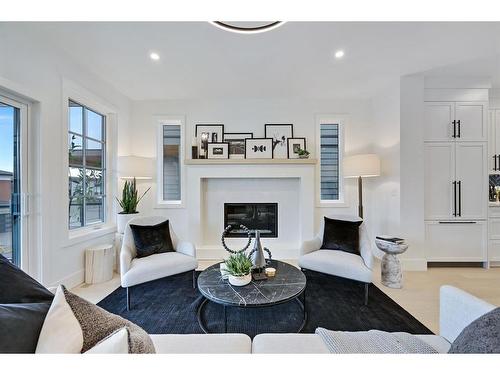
{"x": 152, "y": 239}
{"x": 341, "y": 235}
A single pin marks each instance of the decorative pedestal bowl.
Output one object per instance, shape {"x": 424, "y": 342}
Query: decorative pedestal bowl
{"x": 392, "y": 275}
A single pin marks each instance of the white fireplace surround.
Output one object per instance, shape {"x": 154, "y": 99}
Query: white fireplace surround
{"x": 203, "y": 181}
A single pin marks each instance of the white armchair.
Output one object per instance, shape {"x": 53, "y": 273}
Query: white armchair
{"x": 136, "y": 271}
{"x": 340, "y": 263}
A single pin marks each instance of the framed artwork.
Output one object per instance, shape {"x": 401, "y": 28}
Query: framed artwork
{"x": 279, "y": 133}
{"x": 294, "y": 144}
{"x": 258, "y": 148}
{"x": 212, "y": 133}
{"x": 236, "y": 144}
{"x": 219, "y": 150}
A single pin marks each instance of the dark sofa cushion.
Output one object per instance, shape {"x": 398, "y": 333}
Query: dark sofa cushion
{"x": 18, "y": 287}
{"x": 152, "y": 239}
{"x": 341, "y": 235}
{"x": 20, "y": 326}
{"x": 481, "y": 336}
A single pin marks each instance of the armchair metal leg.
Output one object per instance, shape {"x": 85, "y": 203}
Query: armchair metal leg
{"x": 367, "y": 285}
{"x": 128, "y": 299}
{"x": 194, "y": 279}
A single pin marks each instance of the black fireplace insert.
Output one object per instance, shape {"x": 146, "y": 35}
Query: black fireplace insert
{"x": 255, "y": 216}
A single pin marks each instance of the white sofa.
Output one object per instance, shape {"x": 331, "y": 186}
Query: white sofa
{"x": 457, "y": 310}
{"x": 340, "y": 263}
{"x": 136, "y": 271}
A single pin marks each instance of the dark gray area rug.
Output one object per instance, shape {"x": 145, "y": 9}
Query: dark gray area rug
{"x": 169, "y": 305}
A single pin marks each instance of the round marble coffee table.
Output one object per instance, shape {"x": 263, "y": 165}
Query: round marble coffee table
{"x": 392, "y": 276}
{"x": 288, "y": 284}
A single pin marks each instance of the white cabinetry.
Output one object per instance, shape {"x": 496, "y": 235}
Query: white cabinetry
{"x": 494, "y": 234}
{"x": 456, "y": 181}
{"x": 494, "y": 140}
{"x": 452, "y": 241}
{"x": 464, "y": 121}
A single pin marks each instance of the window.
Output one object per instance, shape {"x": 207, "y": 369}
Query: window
{"x": 171, "y": 157}
{"x": 86, "y": 174}
{"x": 330, "y": 168}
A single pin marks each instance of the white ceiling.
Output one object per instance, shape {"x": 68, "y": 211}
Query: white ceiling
{"x": 199, "y": 60}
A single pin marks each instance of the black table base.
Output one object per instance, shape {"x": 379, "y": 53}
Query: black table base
{"x": 199, "y": 313}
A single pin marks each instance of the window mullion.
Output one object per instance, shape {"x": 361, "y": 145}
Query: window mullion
{"x": 84, "y": 154}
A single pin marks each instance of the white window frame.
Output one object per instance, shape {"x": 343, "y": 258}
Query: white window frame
{"x": 74, "y": 92}
{"x": 341, "y": 120}
{"x": 170, "y": 120}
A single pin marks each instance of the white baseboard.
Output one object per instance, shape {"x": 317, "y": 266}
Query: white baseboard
{"x": 70, "y": 281}
{"x": 414, "y": 264}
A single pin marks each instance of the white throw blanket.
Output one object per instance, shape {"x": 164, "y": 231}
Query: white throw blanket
{"x": 373, "y": 342}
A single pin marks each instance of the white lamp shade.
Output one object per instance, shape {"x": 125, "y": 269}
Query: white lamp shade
{"x": 135, "y": 166}
{"x": 365, "y": 165}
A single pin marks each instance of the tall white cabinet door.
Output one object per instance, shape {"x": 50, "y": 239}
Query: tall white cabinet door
{"x": 492, "y": 141}
{"x": 438, "y": 118}
{"x": 496, "y": 140}
{"x": 439, "y": 177}
{"x": 472, "y": 180}
{"x": 472, "y": 117}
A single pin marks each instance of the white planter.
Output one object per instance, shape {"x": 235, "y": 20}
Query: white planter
{"x": 122, "y": 220}
{"x": 240, "y": 280}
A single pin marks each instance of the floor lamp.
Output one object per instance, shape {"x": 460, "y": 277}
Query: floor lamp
{"x": 359, "y": 166}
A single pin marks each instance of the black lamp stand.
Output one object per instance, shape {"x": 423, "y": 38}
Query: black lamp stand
{"x": 360, "y": 197}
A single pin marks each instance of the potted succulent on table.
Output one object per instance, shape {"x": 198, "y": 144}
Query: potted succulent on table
{"x": 129, "y": 201}
{"x": 239, "y": 268}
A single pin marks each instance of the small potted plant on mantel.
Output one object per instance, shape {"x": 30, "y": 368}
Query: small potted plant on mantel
{"x": 129, "y": 201}
{"x": 239, "y": 268}
{"x": 303, "y": 154}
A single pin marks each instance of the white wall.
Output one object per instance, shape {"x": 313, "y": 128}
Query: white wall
{"x": 385, "y": 190}
{"x": 31, "y": 67}
{"x": 242, "y": 115}
{"x": 34, "y": 69}
{"x": 412, "y": 170}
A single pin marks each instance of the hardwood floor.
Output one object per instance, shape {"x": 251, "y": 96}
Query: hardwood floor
{"x": 419, "y": 295}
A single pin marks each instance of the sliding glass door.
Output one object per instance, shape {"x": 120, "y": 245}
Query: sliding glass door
{"x": 12, "y": 121}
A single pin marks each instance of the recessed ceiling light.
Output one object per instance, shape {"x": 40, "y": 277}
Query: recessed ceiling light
{"x": 339, "y": 54}
{"x": 154, "y": 56}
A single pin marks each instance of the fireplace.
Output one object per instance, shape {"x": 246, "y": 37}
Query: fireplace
{"x": 255, "y": 216}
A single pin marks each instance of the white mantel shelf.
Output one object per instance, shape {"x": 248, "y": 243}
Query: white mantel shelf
{"x": 248, "y": 161}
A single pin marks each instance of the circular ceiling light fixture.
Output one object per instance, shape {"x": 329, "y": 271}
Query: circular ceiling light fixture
{"x": 154, "y": 56}
{"x": 339, "y": 54}
{"x": 247, "y": 27}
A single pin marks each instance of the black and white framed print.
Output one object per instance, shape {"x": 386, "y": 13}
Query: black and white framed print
{"x": 219, "y": 150}
{"x": 258, "y": 148}
{"x": 294, "y": 145}
{"x": 279, "y": 133}
{"x": 236, "y": 144}
{"x": 208, "y": 133}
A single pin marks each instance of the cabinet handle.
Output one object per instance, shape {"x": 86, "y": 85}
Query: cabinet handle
{"x": 495, "y": 159}
{"x": 458, "y": 123}
{"x": 454, "y": 129}
{"x": 454, "y": 198}
{"x": 459, "y": 198}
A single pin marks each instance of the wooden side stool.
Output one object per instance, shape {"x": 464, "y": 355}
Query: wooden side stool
{"x": 99, "y": 263}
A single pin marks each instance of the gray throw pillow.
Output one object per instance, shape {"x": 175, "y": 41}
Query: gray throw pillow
{"x": 97, "y": 324}
{"x": 481, "y": 336}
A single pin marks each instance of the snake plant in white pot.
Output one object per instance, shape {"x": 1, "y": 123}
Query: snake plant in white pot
{"x": 129, "y": 201}
{"x": 239, "y": 269}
